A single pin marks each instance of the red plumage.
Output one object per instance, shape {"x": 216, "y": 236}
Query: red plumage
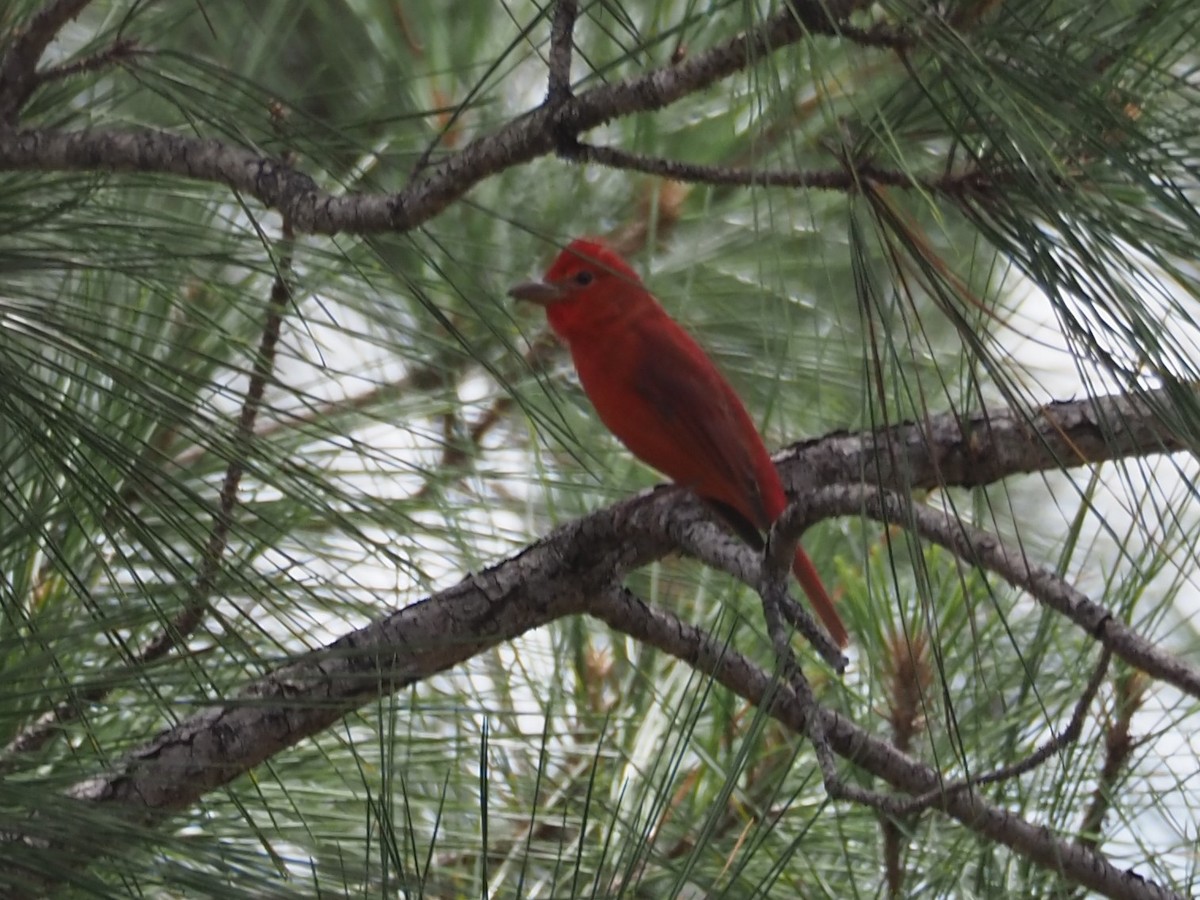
{"x": 661, "y": 395}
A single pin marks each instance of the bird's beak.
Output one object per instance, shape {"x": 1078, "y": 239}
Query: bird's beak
{"x": 540, "y": 292}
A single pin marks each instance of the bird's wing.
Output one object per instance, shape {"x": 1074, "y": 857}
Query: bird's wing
{"x": 712, "y": 445}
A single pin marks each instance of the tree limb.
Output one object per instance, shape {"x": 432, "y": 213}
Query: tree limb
{"x": 540, "y": 585}
{"x": 955, "y": 184}
{"x": 700, "y": 650}
{"x": 313, "y": 210}
{"x": 971, "y": 451}
{"x": 571, "y": 571}
{"x": 978, "y": 547}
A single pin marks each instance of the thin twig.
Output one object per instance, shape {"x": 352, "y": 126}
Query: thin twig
{"x": 782, "y": 540}
{"x": 1129, "y": 695}
{"x": 795, "y": 615}
{"x": 119, "y": 51}
{"x": 956, "y": 184}
{"x": 1055, "y": 745}
{"x": 882, "y": 35}
{"x": 780, "y": 550}
{"x": 909, "y": 676}
{"x": 986, "y": 550}
{"x": 264, "y": 365}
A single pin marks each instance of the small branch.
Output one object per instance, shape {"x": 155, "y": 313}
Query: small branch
{"x": 986, "y": 550}
{"x": 691, "y": 529}
{"x": 1128, "y": 698}
{"x": 778, "y": 605}
{"x": 812, "y": 725}
{"x": 118, "y": 52}
{"x": 799, "y": 618}
{"x": 954, "y": 185}
{"x": 18, "y": 69}
{"x": 1052, "y": 747}
{"x": 781, "y": 549}
{"x": 883, "y": 35}
{"x": 311, "y": 210}
{"x": 909, "y": 675}
{"x": 558, "y": 92}
{"x": 214, "y": 552}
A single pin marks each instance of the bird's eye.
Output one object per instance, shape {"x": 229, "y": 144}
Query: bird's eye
{"x": 584, "y": 278}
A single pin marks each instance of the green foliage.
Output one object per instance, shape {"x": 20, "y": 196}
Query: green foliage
{"x": 405, "y": 441}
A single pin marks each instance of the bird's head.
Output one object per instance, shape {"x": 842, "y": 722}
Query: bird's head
{"x": 587, "y": 285}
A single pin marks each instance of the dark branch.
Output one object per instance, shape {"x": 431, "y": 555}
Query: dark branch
{"x": 1052, "y": 747}
{"x": 18, "y": 69}
{"x": 214, "y": 551}
{"x": 119, "y": 51}
{"x": 985, "y": 550}
{"x": 779, "y": 607}
{"x": 1129, "y": 697}
{"x": 971, "y": 451}
{"x": 558, "y": 92}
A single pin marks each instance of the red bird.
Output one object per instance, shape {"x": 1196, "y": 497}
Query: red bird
{"x": 661, "y": 395}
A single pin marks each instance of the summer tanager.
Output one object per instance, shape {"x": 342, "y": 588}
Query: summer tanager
{"x": 661, "y": 395}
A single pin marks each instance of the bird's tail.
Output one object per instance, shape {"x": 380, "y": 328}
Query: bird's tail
{"x": 818, "y": 598}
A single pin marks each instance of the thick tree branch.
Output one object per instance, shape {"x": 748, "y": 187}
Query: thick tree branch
{"x": 533, "y": 589}
{"x": 572, "y": 571}
{"x": 312, "y": 210}
{"x": 983, "y": 448}
{"x": 216, "y": 746}
{"x": 945, "y": 450}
